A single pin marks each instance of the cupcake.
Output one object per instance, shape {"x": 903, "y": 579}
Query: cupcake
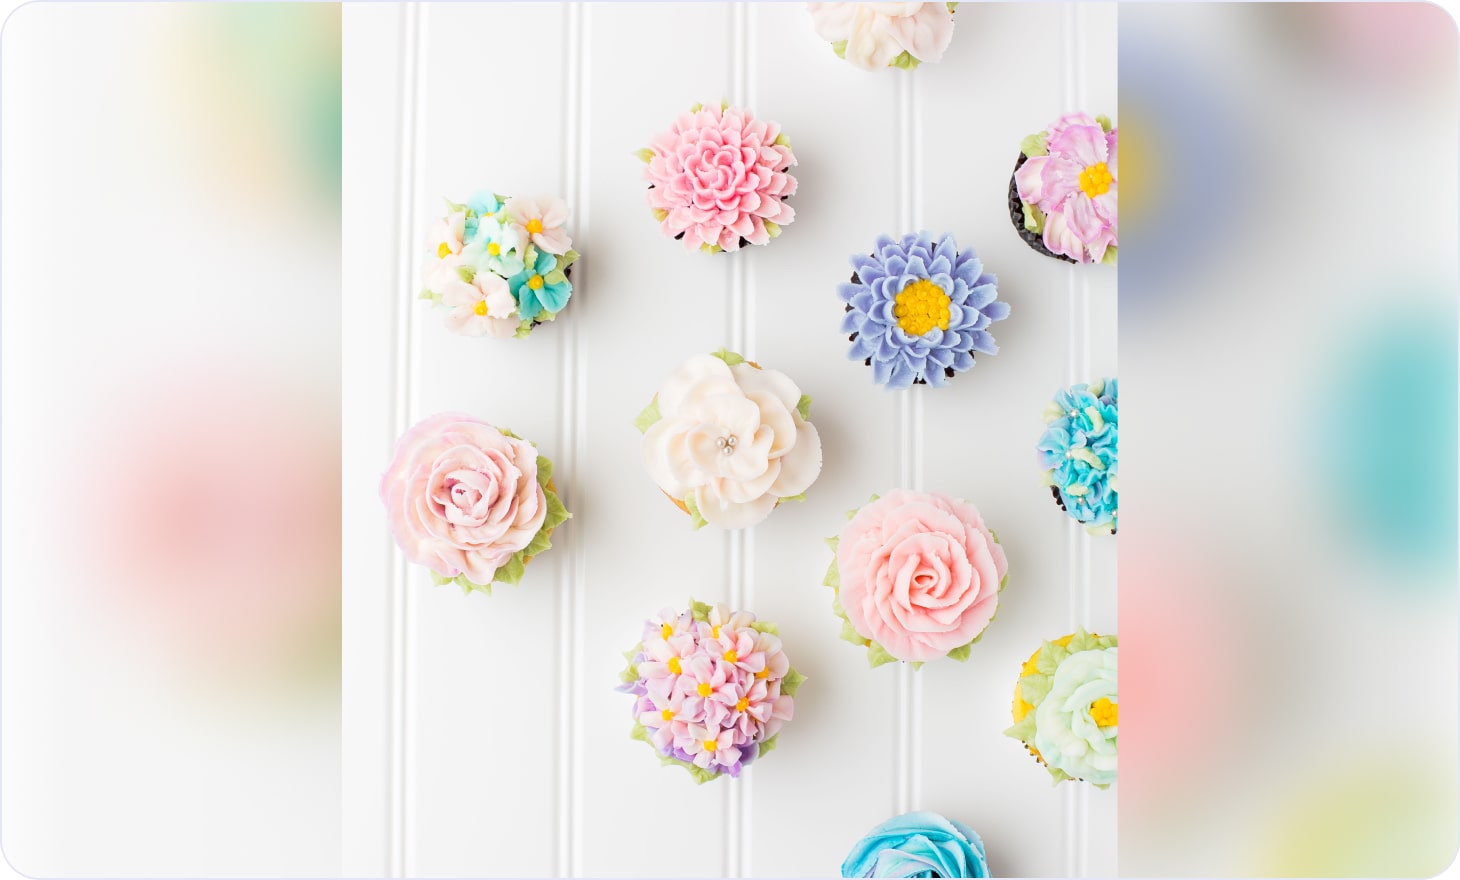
{"x": 873, "y": 36}
{"x": 473, "y": 503}
{"x": 1062, "y": 197}
{"x": 918, "y": 845}
{"x": 718, "y": 179}
{"x": 500, "y": 264}
{"x": 1066, "y": 708}
{"x": 1079, "y": 456}
{"x": 727, "y": 441}
{"x": 917, "y": 576}
{"x": 917, "y": 310}
{"x": 712, "y": 688}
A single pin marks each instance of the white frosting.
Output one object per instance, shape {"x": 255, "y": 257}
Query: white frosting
{"x": 732, "y": 439}
{"x": 876, "y": 33}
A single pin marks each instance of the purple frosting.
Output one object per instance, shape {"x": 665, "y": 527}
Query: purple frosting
{"x": 897, "y": 358}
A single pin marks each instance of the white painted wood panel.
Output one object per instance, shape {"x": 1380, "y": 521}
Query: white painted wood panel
{"x": 490, "y": 726}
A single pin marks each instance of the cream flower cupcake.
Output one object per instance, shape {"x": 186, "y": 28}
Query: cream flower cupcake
{"x": 1067, "y": 707}
{"x": 473, "y": 503}
{"x": 727, "y": 441}
{"x": 874, "y": 36}
{"x": 917, "y": 576}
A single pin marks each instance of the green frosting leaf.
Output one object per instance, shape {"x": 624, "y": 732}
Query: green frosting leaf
{"x": 952, "y": 7}
{"x": 1034, "y": 145}
{"x": 697, "y": 107}
{"x": 556, "y": 276}
{"x": 729, "y": 357}
{"x": 453, "y": 207}
{"x": 568, "y": 259}
{"x": 1050, "y": 657}
{"x": 904, "y": 61}
{"x": 1034, "y": 688}
{"x": 771, "y": 229}
{"x": 1109, "y": 258}
{"x": 766, "y": 747}
{"x": 645, "y": 155}
{"x": 1024, "y": 730}
{"x": 466, "y": 273}
{"x": 803, "y": 406}
{"x": 833, "y": 542}
{"x": 660, "y": 214}
{"x": 781, "y": 140}
{"x": 511, "y": 572}
{"x": 916, "y": 664}
{"x": 961, "y": 654}
{"x": 649, "y": 416}
{"x": 711, "y": 248}
{"x": 877, "y": 655}
{"x": 790, "y": 498}
{"x": 762, "y": 626}
{"x": 833, "y": 577}
{"x": 544, "y": 471}
{"x": 697, "y": 520}
{"x": 850, "y": 634}
{"x": 840, "y": 48}
{"x": 630, "y": 673}
{"x": 540, "y": 543}
{"x": 699, "y": 610}
{"x": 1033, "y": 218}
{"x": 639, "y": 732}
{"x": 792, "y": 682}
{"x": 430, "y": 296}
{"x": 836, "y": 606}
{"x": 523, "y": 330}
{"x": 1104, "y": 122}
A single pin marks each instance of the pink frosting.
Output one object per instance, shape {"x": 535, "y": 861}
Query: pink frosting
{"x": 720, "y": 176}
{"x": 920, "y": 573}
{"x": 462, "y": 496}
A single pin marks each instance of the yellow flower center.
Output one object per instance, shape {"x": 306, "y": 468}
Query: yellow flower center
{"x": 920, "y": 307}
{"x": 534, "y": 225}
{"x": 535, "y": 282}
{"x": 666, "y": 630}
{"x": 731, "y": 656}
{"x": 764, "y": 673}
{"x": 704, "y": 689}
{"x": 714, "y": 632}
{"x": 481, "y": 307}
{"x": 667, "y": 714}
{"x": 1095, "y": 180}
{"x": 674, "y": 666}
{"x": 443, "y": 250}
{"x": 1105, "y": 713}
{"x": 742, "y": 705}
{"x": 494, "y": 249}
{"x": 711, "y": 745}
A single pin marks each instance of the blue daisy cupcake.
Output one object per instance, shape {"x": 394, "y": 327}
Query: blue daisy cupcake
{"x": 1079, "y": 456}
{"x": 918, "y": 310}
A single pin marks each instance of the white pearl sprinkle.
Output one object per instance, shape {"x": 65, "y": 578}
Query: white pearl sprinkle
{"x": 731, "y": 441}
{"x": 720, "y": 442}
{"x": 729, "y": 450}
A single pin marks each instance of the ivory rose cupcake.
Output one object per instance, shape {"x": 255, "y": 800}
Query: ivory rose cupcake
{"x": 500, "y": 264}
{"x": 916, "y": 577}
{"x": 718, "y": 179}
{"x": 712, "y": 689}
{"x": 873, "y": 36}
{"x": 727, "y": 441}
{"x": 473, "y": 503}
{"x": 1062, "y": 197}
{"x": 1067, "y": 707}
{"x": 1079, "y": 454}
{"x": 918, "y": 310}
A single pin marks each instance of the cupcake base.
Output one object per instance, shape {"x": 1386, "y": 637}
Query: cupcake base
{"x": 1016, "y": 216}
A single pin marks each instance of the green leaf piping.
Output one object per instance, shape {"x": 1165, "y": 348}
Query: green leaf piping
{"x": 650, "y": 414}
{"x": 803, "y": 406}
{"x": 1034, "y": 145}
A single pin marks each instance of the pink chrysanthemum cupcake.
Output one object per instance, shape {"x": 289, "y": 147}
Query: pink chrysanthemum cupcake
{"x": 718, "y": 178}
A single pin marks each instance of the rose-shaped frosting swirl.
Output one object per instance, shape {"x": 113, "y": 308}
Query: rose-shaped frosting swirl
{"x": 877, "y": 35}
{"x": 918, "y": 845}
{"x": 729, "y": 440}
{"x": 718, "y": 179}
{"x": 1072, "y": 179}
{"x": 918, "y": 575}
{"x": 462, "y": 497}
{"x": 1075, "y": 725}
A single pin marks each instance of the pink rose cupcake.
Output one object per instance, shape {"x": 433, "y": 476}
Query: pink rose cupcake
{"x": 917, "y": 576}
{"x": 718, "y": 179}
{"x": 471, "y": 502}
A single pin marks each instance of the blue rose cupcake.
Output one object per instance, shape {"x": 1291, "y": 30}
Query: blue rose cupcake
{"x": 1079, "y": 456}
{"x": 918, "y": 309}
{"x": 918, "y": 845}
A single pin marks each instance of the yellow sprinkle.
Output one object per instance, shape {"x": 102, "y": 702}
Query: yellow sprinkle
{"x": 481, "y": 307}
{"x": 535, "y": 282}
{"x": 534, "y": 225}
{"x": 667, "y": 630}
{"x": 1105, "y": 713}
{"x": 667, "y": 714}
{"x": 674, "y": 666}
{"x": 494, "y": 249}
{"x": 764, "y": 673}
{"x": 443, "y": 250}
{"x": 731, "y": 656}
{"x": 920, "y": 307}
{"x": 742, "y": 705}
{"x": 704, "y": 689}
{"x": 711, "y": 745}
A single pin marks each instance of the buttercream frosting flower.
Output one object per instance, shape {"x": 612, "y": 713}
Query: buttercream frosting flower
{"x": 918, "y": 845}
{"x": 1067, "y": 707}
{"x": 471, "y": 502}
{"x": 917, "y": 576}
{"x": 1078, "y": 453}
{"x": 917, "y": 310}
{"x": 877, "y": 35}
{"x": 718, "y": 178}
{"x": 489, "y": 242}
{"x": 1064, "y": 191}
{"x": 727, "y": 441}
{"x": 712, "y": 689}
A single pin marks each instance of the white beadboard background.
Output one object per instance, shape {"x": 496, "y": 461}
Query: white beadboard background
{"x": 483, "y": 735}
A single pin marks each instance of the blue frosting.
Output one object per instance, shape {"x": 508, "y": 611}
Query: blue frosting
{"x": 918, "y": 845}
{"x": 548, "y": 299}
{"x": 897, "y": 358}
{"x": 1079, "y": 450}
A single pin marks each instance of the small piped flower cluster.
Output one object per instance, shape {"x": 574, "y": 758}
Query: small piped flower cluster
{"x": 712, "y": 688}
{"x": 1079, "y": 453}
{"x": 500, "y": 264}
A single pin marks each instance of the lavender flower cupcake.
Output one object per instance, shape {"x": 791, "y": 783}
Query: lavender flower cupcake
{"x": 918, "y": 309}
{"x": 712, "y": 689}
{"x": 1062, "y": 197}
